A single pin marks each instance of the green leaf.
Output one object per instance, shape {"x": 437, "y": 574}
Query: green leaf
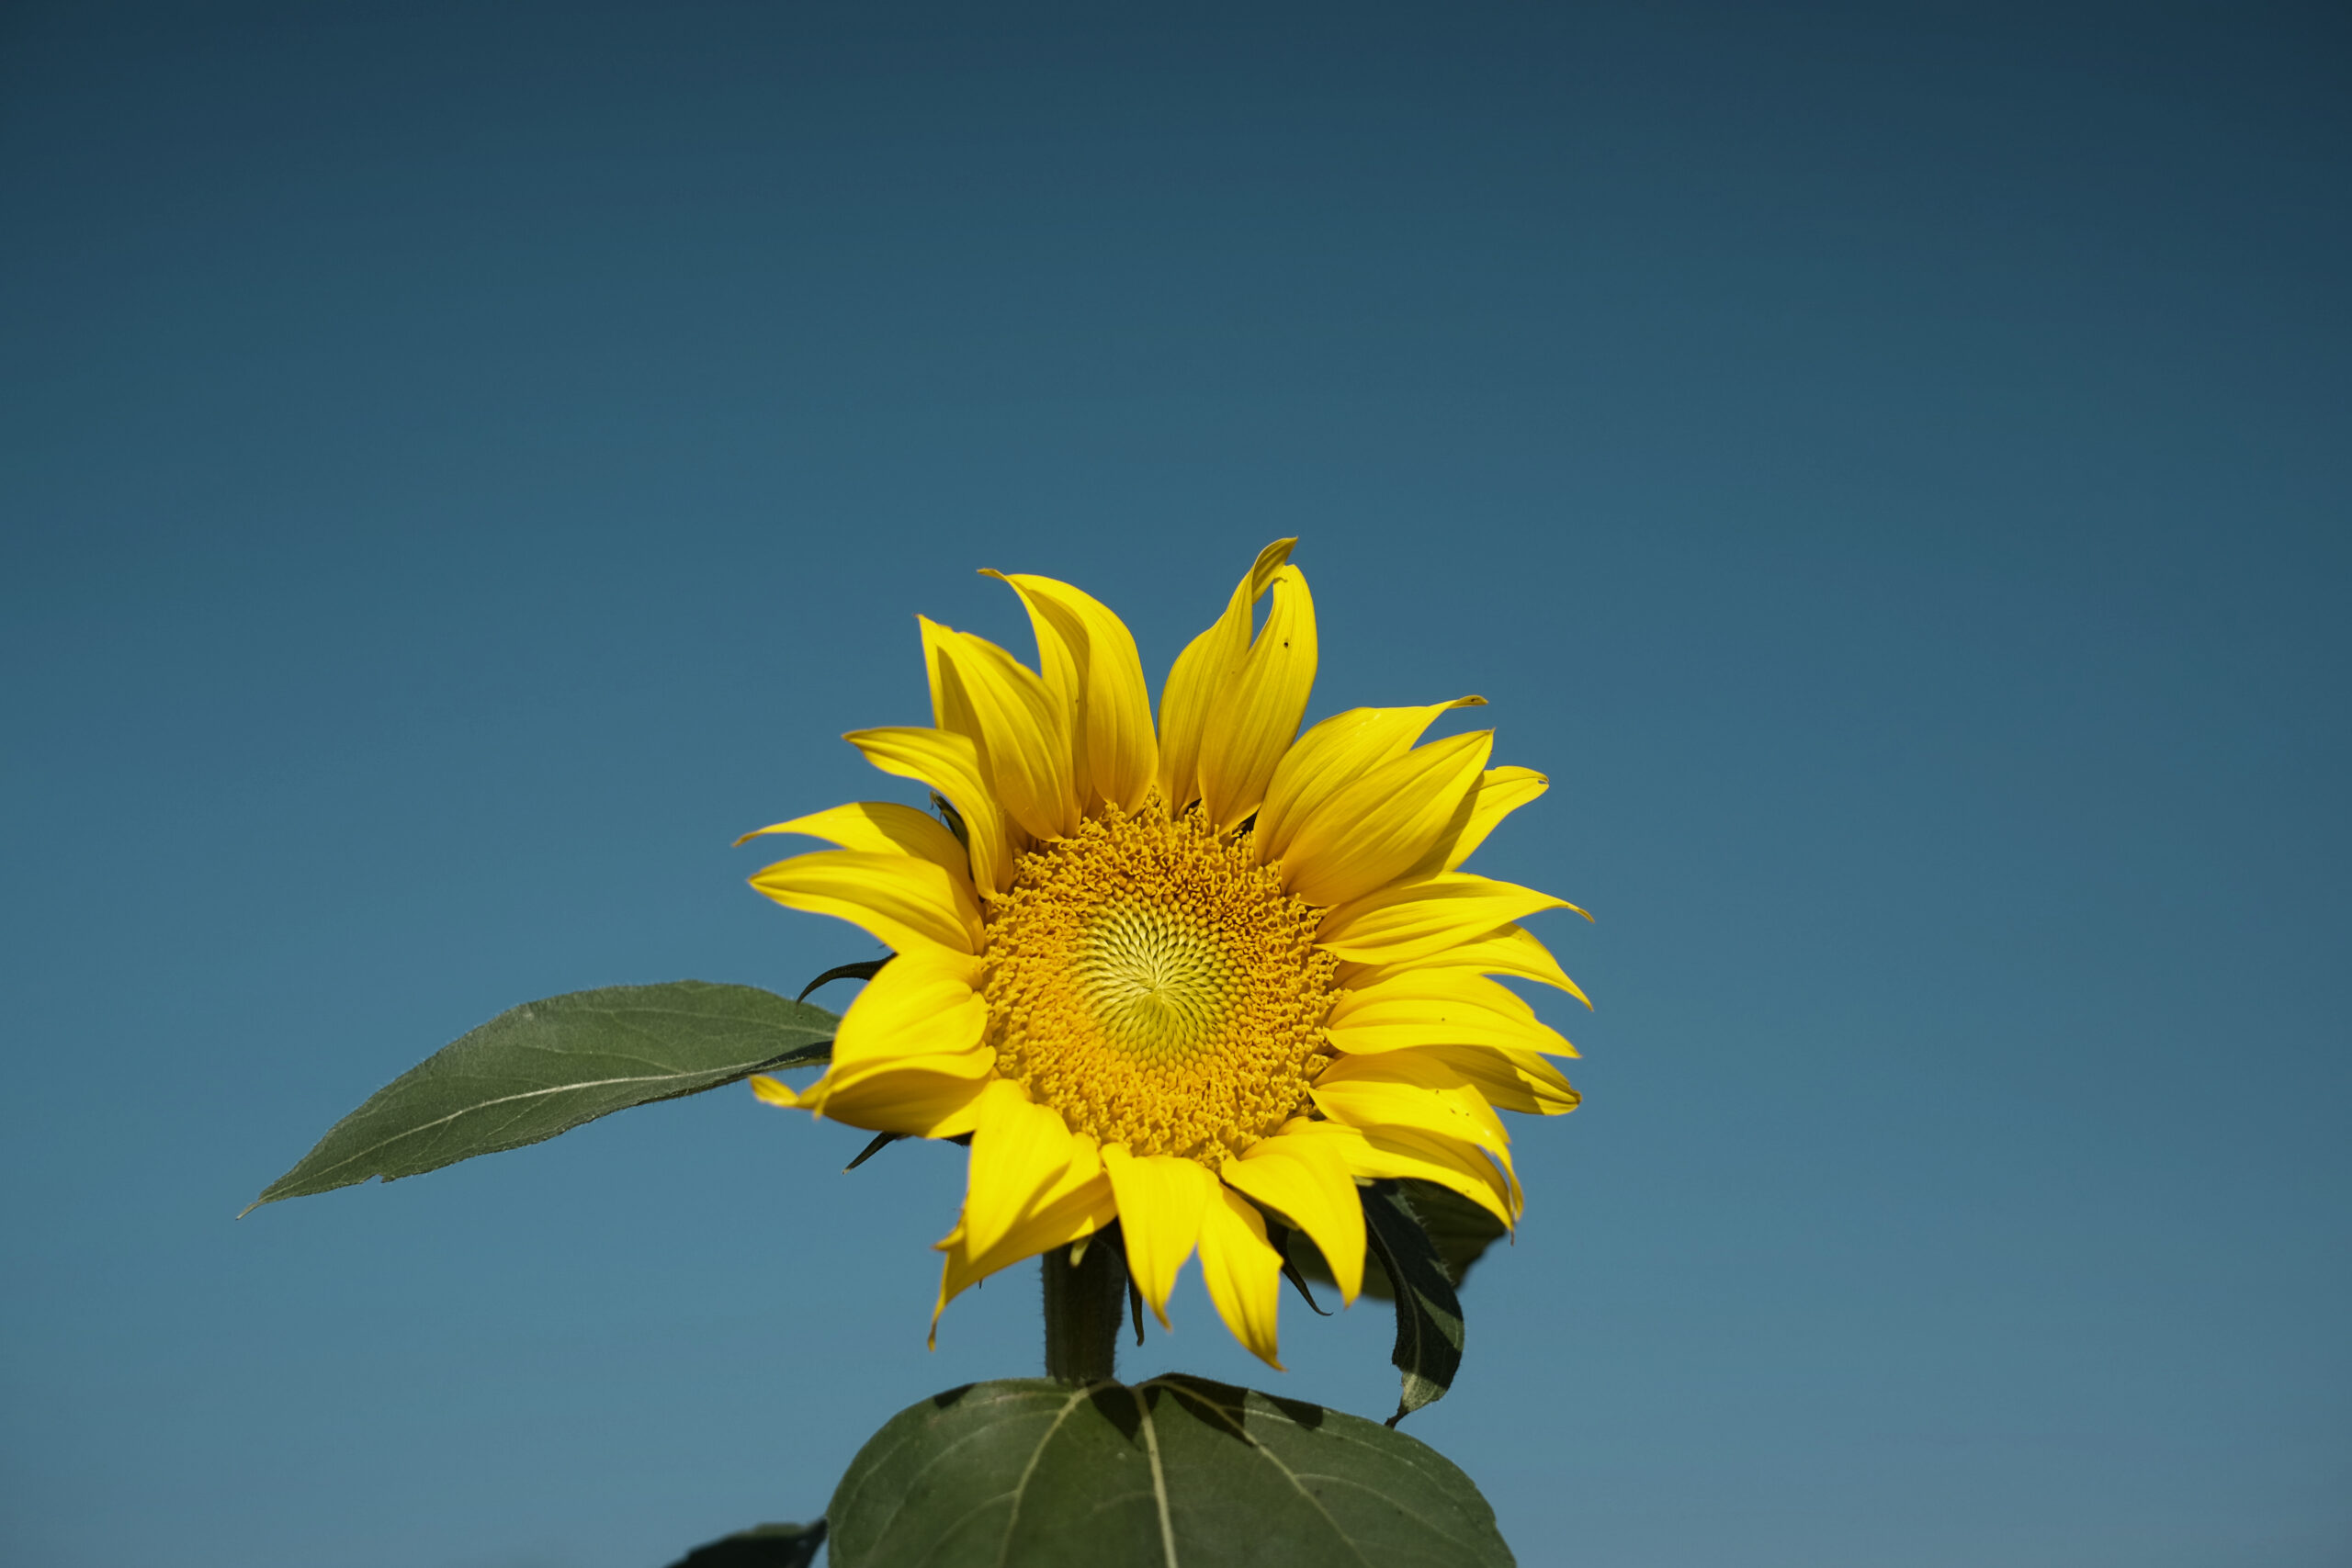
{"x": 1459, "y": 1229}
{"x": 547, "y": 1066}
{"x": 1429, "y": 1314}
{"x": 1174, "y": 1472}
{"x": 770, "y": 1545}
{"x": 762, "y": 1546}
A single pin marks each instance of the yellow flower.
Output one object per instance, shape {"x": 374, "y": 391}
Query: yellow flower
{"x": 1176, "y": 977}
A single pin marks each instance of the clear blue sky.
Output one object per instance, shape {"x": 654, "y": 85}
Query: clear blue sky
{"x": 461, "y": 464}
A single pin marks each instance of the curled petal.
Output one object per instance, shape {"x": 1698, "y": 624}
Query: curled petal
{"x": 1199, "y": 676}
{"x": 1255, "y": 716}
{"x": 950, "y": 763}
{"x": 1089, "y": 658}
{"x": 922, "y": 1003}
{"x": 1023, "y": 744}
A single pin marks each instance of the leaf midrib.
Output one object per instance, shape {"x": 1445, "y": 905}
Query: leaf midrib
{"x": 1219, "y": 1410}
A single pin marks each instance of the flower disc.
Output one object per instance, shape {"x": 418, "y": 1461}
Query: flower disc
{"x": 1152, "y": 982}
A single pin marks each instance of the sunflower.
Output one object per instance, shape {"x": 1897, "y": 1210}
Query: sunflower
{"x": 1183, "y": 976}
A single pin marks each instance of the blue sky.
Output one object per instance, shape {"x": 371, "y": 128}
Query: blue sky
{"x": 461, "y": 466}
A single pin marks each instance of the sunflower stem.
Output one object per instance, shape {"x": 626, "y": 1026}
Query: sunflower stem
{"x": 1084, "y": 1307}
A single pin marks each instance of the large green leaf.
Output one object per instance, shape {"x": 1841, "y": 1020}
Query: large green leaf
{"x": 1174, "y": 1472}
{"x": 1429, "y": 1314}
{"x": 547, "y": 1066}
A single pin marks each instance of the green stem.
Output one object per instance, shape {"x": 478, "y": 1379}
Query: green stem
{"x": 1085, "y": 1307}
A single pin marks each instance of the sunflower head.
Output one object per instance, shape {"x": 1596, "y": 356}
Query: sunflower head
{"x": 1184, "y": 975}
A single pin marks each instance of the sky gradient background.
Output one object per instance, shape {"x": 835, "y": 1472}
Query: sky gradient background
{"x": 460, "y": 466}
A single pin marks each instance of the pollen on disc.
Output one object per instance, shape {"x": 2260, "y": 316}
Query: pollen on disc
{"x": 1150, "y": 983}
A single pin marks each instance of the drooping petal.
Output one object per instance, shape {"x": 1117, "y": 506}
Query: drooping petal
{"x": 1088, "y": 656}
{"x": 1408, "y": 1088}
{"x": 1509, "y": 949}
{"x": 1019, "y": 1151}
{"x": 1024, "y": 749}
{"x": 1329, "y": 756}
{"x": 950, "y": 763}
{"x": 1306, "y": 1180}
{"x": 901, "y": 901}
{"x": 1412, "y": 919}
{"x": 1161, "y": 1199}
{"x": 1439, "y": 1007}
{"x": 1502, "y": 792}
{"x": 1374, "y": 830}
{"x": 1242, "y": 1272}
{"x": 1199, "y": 675}
{"x": 1076, "y": 1205}
{"x": 1255, "y": 716}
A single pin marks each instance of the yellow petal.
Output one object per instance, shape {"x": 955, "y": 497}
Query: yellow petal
{"x": 1407, "y": 1088}
{"x": 922, "y": 1003}
{"x": 1329, "y": 756}
{"x": 775, "y": 1092}
{"x": 1162, "y": 1199}
{"x": 1306, "y": 1181}
{"x": 1430, "y": 1156}
{"x": 923, "y": 1097}
{"x": 1407, "y": 1152}
{"x": 1023, "y": 743}
{"x": 950, "y": 709}
{"x": 950, "y": 763}
{"x": 1077, "y": 1205}
{"x": 1255, "y": 716}
{"x": 874, "y": 827}
{"x": 1089, "y": 659}
{"x": 1511, "y": 1079}
{"x": 1502, "y": 792}
{"x": 1019, "y": 1150}
{"x": 1441, "y": 1006}
{"x": 1413, "y": 920}
{"x": 1511, "y": 950}
{"x": 1242, "y": 1272}
{"x": 1199, "y": 675}
{"x": 885, "y": 828}
{"x": 1372, "y": 832}
{"x": 903, "y": 902}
